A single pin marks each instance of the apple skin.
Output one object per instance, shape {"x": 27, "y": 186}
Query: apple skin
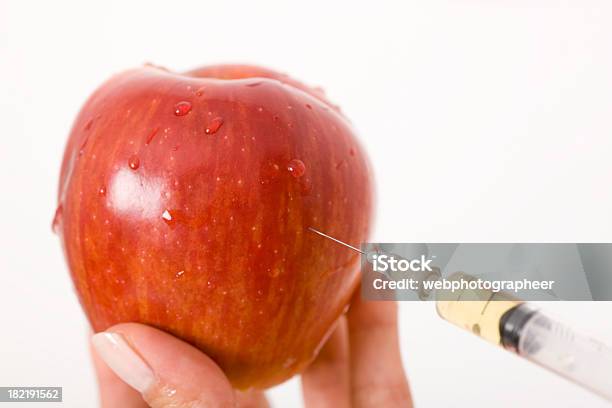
{"x": 183, "y": 204}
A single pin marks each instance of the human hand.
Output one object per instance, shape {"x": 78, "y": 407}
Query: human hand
{"x": 359, "y": 366}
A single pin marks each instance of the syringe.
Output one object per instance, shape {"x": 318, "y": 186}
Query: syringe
{"x": 523, "y": 329}
{"x": 520, "y": 328}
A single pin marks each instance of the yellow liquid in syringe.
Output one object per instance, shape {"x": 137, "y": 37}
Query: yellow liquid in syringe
{"x": 479, "y": 311}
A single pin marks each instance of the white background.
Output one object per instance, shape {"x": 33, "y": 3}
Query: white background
{"x": 485, "y": 121}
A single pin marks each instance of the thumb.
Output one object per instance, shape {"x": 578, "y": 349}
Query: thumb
{"x": 165, "y": 370}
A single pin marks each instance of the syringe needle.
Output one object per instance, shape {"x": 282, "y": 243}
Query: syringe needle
{"x": 337, "y": 240}
{"x": 370, "y": 257}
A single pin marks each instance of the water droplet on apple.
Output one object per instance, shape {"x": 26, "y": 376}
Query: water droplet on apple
{"x": 57, "y": 218}
{"x": 296, "y": 168}
{"x": 167, "y": 216}
{"x": 179, "y": 274}
{"x": 152, "y": 135}
{"x": 214, "y": 125}
{"x": 102, "y": 191}
{"x": 182, "y": 108}
{"x": 83, "y": 145}
{"x": 200, "y": 92}
{"x": 134, "y": 162}
{"x": 309, "y": 106}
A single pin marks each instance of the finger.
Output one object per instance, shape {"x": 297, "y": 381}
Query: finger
{"x": 251, "y": 399}
{"x": 326, "y": 381}
{"x": 113, "y": 391}
{"x": 377, "y": 374}
{"x": 165, "y": 370}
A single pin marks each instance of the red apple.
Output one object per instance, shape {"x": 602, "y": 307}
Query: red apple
{"x": 185, "y": 201}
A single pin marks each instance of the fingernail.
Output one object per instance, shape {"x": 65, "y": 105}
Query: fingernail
{"x": 123, "y": 360}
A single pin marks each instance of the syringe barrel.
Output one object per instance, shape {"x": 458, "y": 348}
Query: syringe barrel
{"x": 475, "y": 310}
{"x": 557, "y": 347}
